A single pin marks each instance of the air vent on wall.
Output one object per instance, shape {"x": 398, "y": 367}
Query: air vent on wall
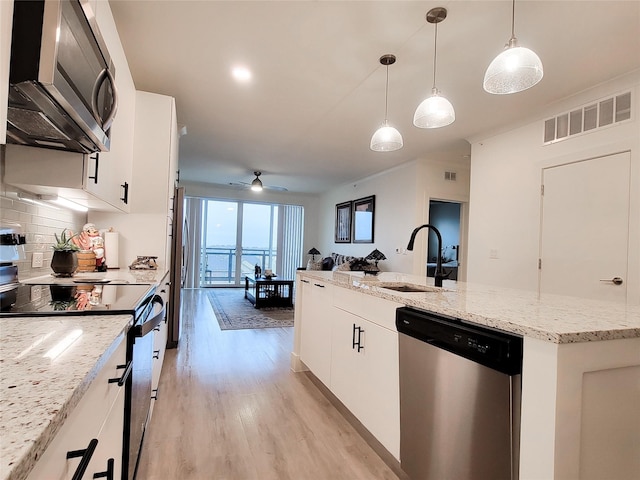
{"x": 451, "y": 176}
{"x": 587, "y": 118}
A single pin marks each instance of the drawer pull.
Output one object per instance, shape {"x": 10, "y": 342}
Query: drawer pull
{"x": 156, "y": 354}
{"x": 154, "y": 395}
{"x": 357, "y": 343}
{"x": 86, "y": 455}
{"x": 108, "y": 473}
{"x": 121, "y": 380}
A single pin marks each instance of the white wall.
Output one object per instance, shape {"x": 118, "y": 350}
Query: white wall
{"x": 402, "y": 203}
{"x": 506, "y": 172}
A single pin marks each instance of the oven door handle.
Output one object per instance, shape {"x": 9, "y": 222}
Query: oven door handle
{"x": 148, "y": 325}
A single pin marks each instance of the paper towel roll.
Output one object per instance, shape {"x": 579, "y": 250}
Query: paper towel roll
{"x": 111, "y": 253}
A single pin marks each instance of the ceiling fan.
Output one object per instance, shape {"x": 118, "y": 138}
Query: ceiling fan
{"x": 257, "y": 186}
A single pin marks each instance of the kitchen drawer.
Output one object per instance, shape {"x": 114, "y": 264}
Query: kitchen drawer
{"x": 377, "y": 310}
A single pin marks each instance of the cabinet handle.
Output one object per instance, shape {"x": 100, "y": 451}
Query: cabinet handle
{"x": 353, "y": 337}
{"x": 154, "y": 395}
{"x": 304, "y": 281}
{"x": 157, "y": 329}
{"x": 121, "y": 381}
{"x": 86, "y": 455}
{"x": 319, "y": 285}
{"x": 357, "y": 343}
{"x": 156, "y": 354}
{"x": 95, "y": 172}
{"x": 125, "y": 197}
{"x": 108, "y": 472}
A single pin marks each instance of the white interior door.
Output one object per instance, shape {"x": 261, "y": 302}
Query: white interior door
{"x": 585, "y": 228}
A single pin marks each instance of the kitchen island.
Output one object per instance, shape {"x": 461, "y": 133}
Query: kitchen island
{"x": 581, "y": 364}
{"x": 41, "y": 384}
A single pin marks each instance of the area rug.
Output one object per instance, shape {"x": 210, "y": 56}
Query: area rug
{"x": 234, "y": 312}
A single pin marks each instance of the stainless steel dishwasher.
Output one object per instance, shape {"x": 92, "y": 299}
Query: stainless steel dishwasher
{"x": 459, "y": 398}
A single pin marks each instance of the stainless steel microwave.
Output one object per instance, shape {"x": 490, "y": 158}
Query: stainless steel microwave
{"x": 62, "y": 91}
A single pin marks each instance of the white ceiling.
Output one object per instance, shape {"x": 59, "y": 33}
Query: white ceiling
{"x": 317, "y": 93}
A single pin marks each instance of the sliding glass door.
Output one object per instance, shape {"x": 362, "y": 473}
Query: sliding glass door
{"x": 259, "y": 238}
{"x": 237, "y": 236}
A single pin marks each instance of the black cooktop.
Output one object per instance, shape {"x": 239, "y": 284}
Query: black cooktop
{"x": 81, "y": 299}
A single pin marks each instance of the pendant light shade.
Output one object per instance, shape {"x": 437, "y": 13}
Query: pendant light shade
{"x": 435, "y": 111}
{"x": 515, "y": 69}
{"x": 386, "y": 138}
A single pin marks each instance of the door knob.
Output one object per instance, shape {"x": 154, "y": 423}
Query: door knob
{"x": 614, "y": 280}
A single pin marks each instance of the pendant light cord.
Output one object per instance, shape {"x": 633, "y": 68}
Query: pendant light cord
{"x": 386, "y": 97}
{"x": 435, "y": 55}
{"x": 513, "y": 19}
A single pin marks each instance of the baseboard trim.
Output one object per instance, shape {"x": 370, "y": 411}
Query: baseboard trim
{"x": 296, "y": 363}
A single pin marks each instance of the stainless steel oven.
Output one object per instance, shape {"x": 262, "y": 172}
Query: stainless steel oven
{"x": 138, "y": 392}
{"x": 62, "y": 81}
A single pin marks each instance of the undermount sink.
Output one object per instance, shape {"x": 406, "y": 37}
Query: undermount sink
{"x": 409, "y": 288}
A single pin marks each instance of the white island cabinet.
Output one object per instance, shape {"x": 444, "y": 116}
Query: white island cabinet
{"x": 92, "y": 431}
{"x": 316, "y": 331}
{"x": 580, "y": 375}
{"x": 364, "y": 363}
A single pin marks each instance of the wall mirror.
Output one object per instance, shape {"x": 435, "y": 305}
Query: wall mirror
{"x": 363, "y": 219}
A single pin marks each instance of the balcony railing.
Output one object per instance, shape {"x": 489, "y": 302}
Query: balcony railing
{"x": 219, "y": 263}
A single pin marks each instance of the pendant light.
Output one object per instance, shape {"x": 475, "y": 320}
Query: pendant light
{"x": 435, "y": 111}
{"x": 256, "y": 185}
{"x": 515, "y": 69}
{"x": 386, "y": 138}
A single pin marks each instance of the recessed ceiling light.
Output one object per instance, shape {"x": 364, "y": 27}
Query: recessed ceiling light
{"x": 241, "y": 74}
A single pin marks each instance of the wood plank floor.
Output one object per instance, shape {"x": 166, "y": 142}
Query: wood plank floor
{"x": 230, "y": 408}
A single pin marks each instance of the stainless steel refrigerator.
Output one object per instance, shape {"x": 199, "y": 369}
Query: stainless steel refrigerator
{"x": 178, "y": 267}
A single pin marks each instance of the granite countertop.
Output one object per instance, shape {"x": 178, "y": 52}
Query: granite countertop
{"x": 37, "y": 393}
{"x": 553, "y": 318}
{"x": 115, "y": 277}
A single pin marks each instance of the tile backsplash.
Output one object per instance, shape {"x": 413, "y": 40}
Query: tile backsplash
{"x": 38, "y": 222}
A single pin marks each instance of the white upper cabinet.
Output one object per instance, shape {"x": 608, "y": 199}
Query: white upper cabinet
{"x": 114, "y": 167}
{"x": 100, "y": 181}
{"x": 148, "y": 224}
{"x": 156, "y": 153}
{"x": 6, "y": 15}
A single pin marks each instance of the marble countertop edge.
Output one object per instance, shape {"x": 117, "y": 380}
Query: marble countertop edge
{"x": 551, "y": 318}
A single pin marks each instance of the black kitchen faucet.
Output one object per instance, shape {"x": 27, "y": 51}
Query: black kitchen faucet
{"x": 438, "y": 275}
